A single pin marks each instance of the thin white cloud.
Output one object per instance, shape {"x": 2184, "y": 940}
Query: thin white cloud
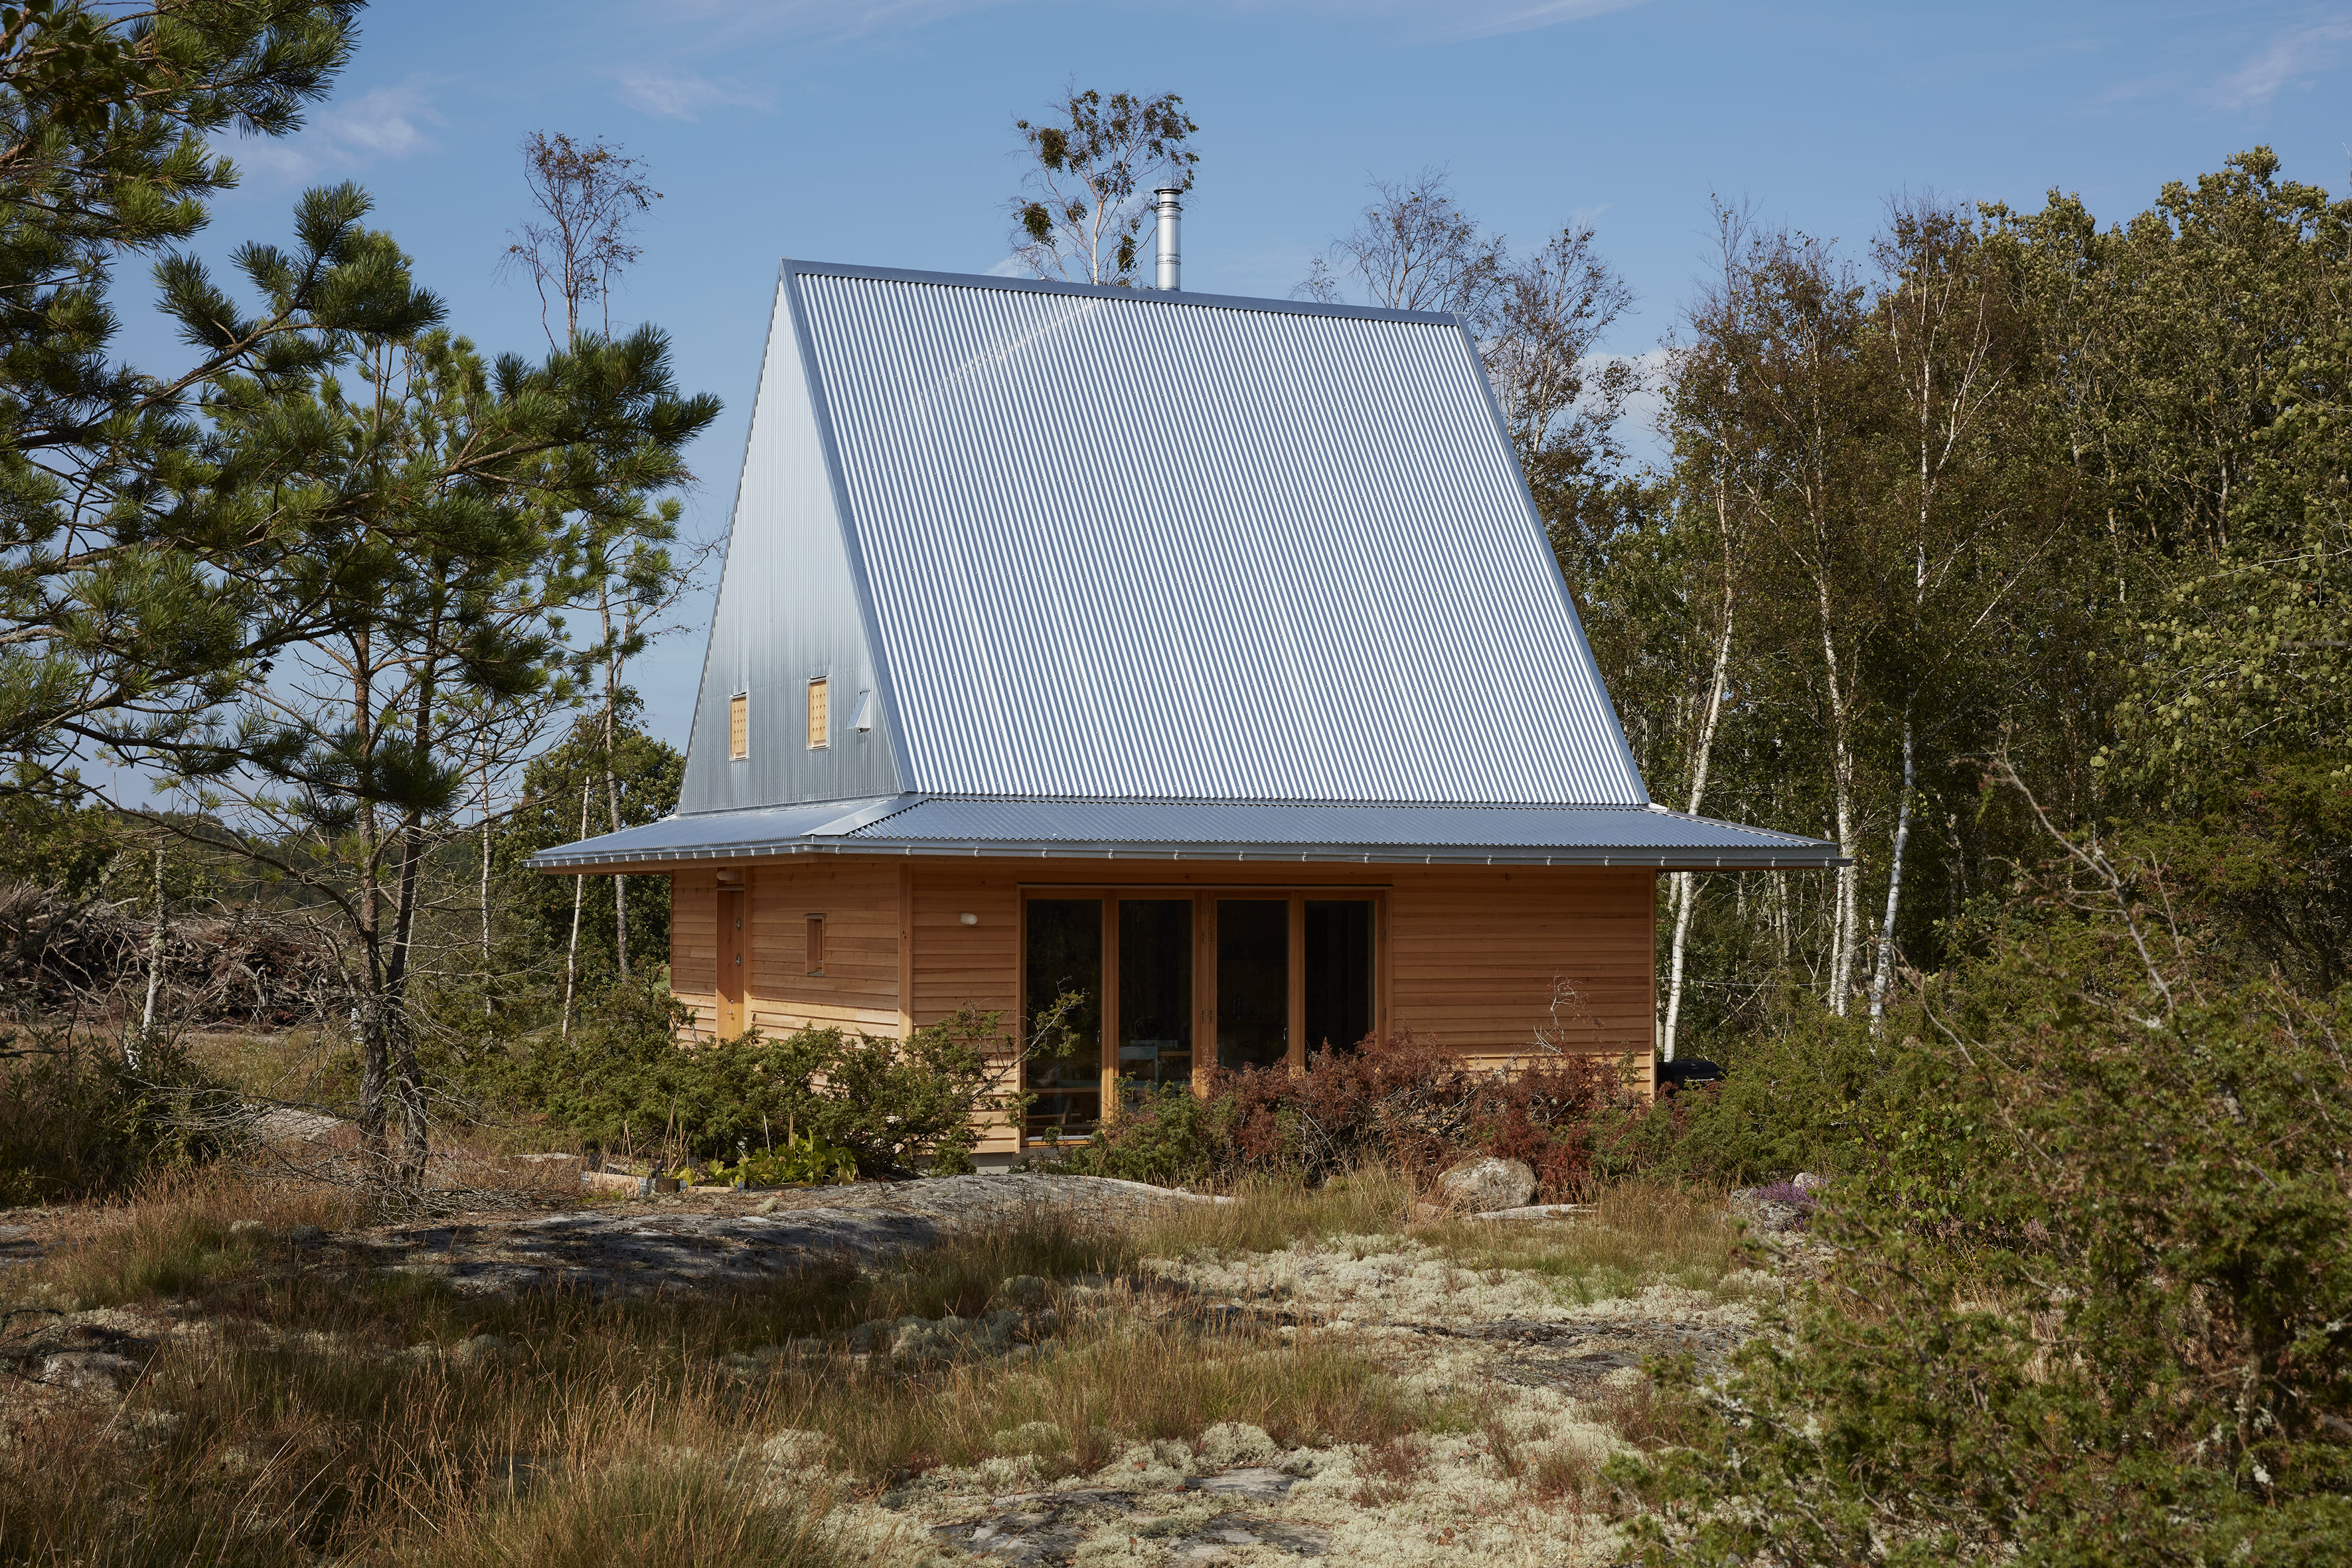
{"x": 1415, "y": 20}
{"x": 2292, "y": 60}
{"x": 383, "y": 122}
{"x": 1487, "y": 21}
{"x": 683, "y": 94}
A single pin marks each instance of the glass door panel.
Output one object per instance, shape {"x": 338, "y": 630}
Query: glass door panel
{"x": 1339, "y": 965}
{"x": 1065, "y": 955}
{"x": 1155, "y": 991}
{"x": 1253, "y": 982}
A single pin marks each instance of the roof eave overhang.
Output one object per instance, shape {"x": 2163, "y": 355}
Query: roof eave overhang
{"x": 1669, "y": 859}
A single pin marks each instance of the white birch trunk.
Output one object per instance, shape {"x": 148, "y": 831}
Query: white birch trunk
{"x": 1683, "y": 888}
{"x": 1883, "y": 972}
{"x": 1842, "y": 936}
{"x": 136, "y": 1055}
{"x": 571, "y": 952}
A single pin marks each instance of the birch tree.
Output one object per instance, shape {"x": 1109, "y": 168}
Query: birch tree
{"x": 1414, "y": 248}
{"x": 1095, "y": 161}
{"x": 1947, "y": 350}
{"x": 1773, "y": 388}
{"x": 617, "y": 539}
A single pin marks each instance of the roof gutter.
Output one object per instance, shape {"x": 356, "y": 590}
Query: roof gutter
{"x": 556, "y": 864}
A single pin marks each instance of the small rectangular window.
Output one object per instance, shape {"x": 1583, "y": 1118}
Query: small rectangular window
{"x": 739, "y": 726}
{"x": 816, "y": 944}
{"x": 819, "y": 727}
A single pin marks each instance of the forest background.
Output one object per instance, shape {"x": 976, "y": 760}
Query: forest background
{"x": 2003, "y": 526}
{"x": 2008, "y": 551}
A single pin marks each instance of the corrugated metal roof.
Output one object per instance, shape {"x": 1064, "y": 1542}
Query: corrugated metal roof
{"x": 705, "y": 834}
{"x": 1621, "y": 836}
{"x": 1119, "y": 542}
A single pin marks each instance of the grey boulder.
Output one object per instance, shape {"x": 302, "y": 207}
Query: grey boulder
{"x": 1477, "y": 1186}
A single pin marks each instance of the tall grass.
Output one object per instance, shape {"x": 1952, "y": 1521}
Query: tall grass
{"x": 1266, "y": 1214}
{"x": 246, "y": 1452}
{"x": 1635, "y": 1234}
{"x": 171, "y": 1235}
{"x": 322, "y": 1408}
{"x": 325, "y": 1409}
{"x": 1110, "y": 1380}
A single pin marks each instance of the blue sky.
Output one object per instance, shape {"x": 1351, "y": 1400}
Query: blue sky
{"x": 879, "y": 132}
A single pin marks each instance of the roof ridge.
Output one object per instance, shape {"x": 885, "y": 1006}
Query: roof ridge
{"x": 1135, "y": 294}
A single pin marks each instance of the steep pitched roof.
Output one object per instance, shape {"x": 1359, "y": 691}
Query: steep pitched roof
{"x": 1125, "y": 544}
{"x": 1051, "y": 544}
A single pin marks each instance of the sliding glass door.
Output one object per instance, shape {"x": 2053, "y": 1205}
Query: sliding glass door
{"x": 1155, "y": 992}
{"x": 1253, "y": 982}
{"x": 1337, "y": 972}
{"x": 1064, "y": 958}
{"x": 1170, "y": 980}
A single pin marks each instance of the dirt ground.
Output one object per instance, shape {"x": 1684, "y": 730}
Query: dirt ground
{"x": 1501, "y": 1318}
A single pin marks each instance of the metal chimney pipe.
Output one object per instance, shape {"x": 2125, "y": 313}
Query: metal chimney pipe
{"x": 1164, "y": 202}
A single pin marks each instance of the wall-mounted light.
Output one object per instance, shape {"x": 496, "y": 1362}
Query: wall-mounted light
{"x": 969, "y": 920}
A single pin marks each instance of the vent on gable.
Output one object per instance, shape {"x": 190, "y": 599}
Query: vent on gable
{"x": 862, "y": 718}
{"x": 820, "y": 721}
{"x": 739, "y": 727}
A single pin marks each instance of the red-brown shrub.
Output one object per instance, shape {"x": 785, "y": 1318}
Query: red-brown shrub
{"x": 1402, "y": 1101}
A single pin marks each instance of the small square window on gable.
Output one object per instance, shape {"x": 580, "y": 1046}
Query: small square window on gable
{"x": 820, "y": 726}
{"x": 739, "y": 726}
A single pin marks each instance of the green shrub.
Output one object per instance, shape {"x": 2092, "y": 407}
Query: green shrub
{"x": 805, "y": 1161}
{"x": 1167, "y": 1137}
{"x": 2091, "y": 1303}
{"x": 626, "y": 1081}
{"x": 75, "y": 1121}
{"x": 1826, "y": 1095}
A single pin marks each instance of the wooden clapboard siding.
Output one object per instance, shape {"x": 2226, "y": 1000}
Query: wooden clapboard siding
{"x": 1478, "y": 955}
{"x": 957, "y": 966}
{"x": 859, "y": 987}
{"x": 694, "y": 944}
{"x": 1469, "y": 956}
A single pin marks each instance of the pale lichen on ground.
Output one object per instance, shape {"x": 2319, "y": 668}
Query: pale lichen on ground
{"x": 1516, "y": 1368}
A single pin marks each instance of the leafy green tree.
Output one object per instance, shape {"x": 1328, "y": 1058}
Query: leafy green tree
{"x": 2091, "y": 1304}
{"x": 560, "y": 787}
{"x": 420, "y": 492}
{"x": 1083, "y": 217}
{"x": 120, "y": 601}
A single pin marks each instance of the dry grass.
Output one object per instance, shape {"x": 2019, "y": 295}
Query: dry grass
{"x": 309, "y": 1409}
{"x": 1648, "y": 1419}
{"x": 172, "y": 1238}
{"x": 319, "y": 1410}
{"x": 1109, "y": 1380}
{"x": 1638, "y": 1235}
{"x": 238, "y": 1450}
{"x": 288, "y": 1064}
{"x": 1267, "y": 1215}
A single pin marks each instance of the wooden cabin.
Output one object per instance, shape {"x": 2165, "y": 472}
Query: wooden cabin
{"x": 1203, "y": 657}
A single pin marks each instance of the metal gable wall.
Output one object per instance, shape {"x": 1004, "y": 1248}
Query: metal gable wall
{"x": 789, "y": 611}
{"x": 1122, "y": 543}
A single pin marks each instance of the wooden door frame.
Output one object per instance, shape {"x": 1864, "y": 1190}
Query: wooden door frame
{"x": 1204, "y": 900}
{"x": 734, "y": 957}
